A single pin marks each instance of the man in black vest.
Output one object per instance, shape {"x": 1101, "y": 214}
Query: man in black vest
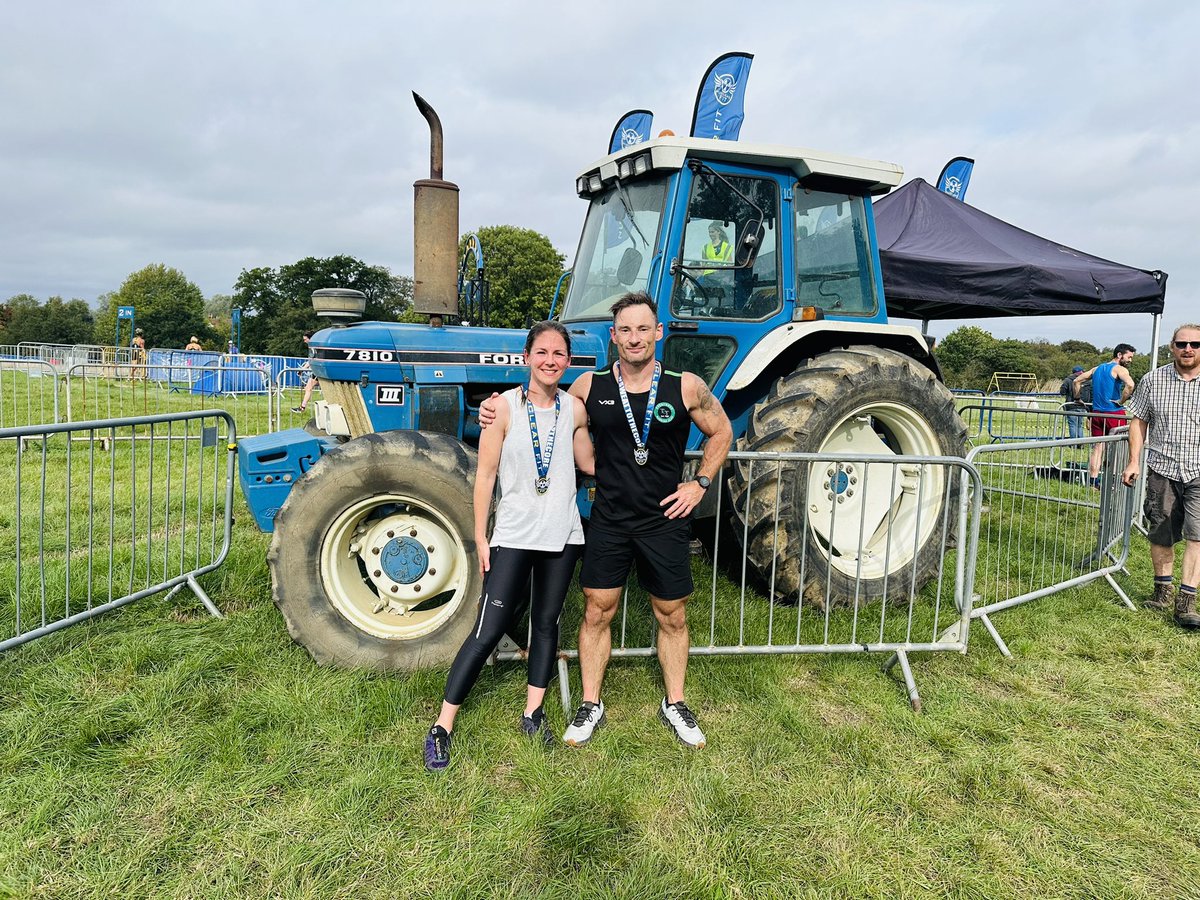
{"x": 640, "y": 416}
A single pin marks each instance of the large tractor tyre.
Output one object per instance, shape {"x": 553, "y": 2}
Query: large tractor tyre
{"x": 860, "y": 400}
{"x": 373, "y": 562}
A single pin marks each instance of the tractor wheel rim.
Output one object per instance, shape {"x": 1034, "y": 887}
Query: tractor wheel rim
{"x": 394, "y": 567}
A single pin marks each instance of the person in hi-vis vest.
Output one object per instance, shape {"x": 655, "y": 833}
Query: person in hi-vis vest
{"x": 718, "y": 249}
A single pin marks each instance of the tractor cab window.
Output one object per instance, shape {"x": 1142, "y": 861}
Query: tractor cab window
{"x": 834, "y": 270}
{"x": 728, "y": 267}
{"x": 616, "y": 249}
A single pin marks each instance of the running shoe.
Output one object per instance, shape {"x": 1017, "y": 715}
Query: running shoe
{"x": 682, "y": 721}
{"x": 535, "y": 725}
{"x": 297, "y": 409}
{"x": 588, "y": 718}
{"x": 437, "y": 749}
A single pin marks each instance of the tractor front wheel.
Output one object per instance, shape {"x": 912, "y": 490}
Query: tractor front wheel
{"x": 373, "y": 561}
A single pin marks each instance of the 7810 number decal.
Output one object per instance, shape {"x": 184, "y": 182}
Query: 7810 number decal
{"x": 370, "y": 355}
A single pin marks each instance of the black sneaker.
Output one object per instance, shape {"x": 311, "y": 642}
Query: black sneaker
{"x": 298, "y": 410}
{"x": 535, "y": 725}
{"x": 437, "y": 749}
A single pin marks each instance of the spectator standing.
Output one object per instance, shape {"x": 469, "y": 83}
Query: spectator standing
{"x": 1111, "y": 386}
{"x": 311, "y": 383}
{"x": 1166, "y": 405}
{"x": 1072, "y": 404}
{"x": 193, "y": 344}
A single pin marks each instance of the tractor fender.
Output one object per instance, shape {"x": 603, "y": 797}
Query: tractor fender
{"x": 825, "y": 335}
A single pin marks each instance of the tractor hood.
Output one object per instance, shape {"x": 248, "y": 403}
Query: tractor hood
{"x": 447, "y": 354}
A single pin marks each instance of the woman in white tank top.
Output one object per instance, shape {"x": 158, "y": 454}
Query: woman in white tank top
{"x": 533, "y": 448}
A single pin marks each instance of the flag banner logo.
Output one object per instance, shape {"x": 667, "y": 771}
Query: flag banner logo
{"x": 632, "y": 128}
{"x": 955, "y": 177}
{"x": 720, "y": 102}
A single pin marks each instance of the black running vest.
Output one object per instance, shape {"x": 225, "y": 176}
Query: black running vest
{"x": 627, "y": 495}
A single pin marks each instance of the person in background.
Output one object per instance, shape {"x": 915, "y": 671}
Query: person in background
{"x": 311, "y": 383}
{"x": 193, "y": 344}
{"x": 1072, "y": 404}
{"x": 137, "y": 353}
{"x": 1166, "y": 405}
{"x": 1111, "y": 386}
{"x": 532, "y": 449}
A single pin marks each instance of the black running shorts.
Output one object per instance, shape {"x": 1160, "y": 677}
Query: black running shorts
{"x": 663, "y": 563}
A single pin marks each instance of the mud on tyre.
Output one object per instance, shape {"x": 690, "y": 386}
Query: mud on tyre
{"x": 857, "y": 400}
{"x": 373, "y": 559}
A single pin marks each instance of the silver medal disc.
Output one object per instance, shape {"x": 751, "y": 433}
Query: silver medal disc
{"x": 541, "y": 485}
{"x": 641, "y": 455}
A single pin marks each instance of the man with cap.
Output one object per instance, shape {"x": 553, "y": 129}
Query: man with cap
{"x": 1072, "y": 403}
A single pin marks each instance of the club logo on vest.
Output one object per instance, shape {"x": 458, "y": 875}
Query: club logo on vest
{"x": 664, "y": 412}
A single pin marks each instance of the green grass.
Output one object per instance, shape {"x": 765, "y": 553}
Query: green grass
{"x": 158, "y": 752}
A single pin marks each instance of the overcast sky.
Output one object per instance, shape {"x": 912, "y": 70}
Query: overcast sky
{"x": 219, "y": 136}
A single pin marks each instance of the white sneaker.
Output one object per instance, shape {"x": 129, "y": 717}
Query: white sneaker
{"x": 588, "y": 718}
{"x": 680, "y": 719}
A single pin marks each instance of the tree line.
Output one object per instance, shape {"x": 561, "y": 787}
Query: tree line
{"x": 521, "y": 267}
{"x": 968, "y": 357}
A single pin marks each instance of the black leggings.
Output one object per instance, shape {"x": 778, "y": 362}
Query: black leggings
{"x": 502, "y": 600}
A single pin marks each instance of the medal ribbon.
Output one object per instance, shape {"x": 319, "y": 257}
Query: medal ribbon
{"x": 640, "y": 440}
{"x": 543, "y": 462}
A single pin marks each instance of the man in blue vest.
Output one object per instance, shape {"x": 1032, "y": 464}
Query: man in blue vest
{"x": 1111, "y": 386}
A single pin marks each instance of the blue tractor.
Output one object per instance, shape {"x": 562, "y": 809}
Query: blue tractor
{"x": 373, "y": 561}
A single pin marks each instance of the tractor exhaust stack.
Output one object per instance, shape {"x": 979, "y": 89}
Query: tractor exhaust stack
{"x": 435, "y": 230}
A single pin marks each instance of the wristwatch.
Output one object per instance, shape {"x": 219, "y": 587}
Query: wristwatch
{"x": 703, "y": 480}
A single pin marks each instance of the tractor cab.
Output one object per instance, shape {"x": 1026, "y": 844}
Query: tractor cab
{"x": 733, "y": 241}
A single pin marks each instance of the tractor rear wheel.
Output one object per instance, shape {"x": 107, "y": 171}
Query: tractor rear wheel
{"x": 827, "y": 541}
{"x": 373, "y": 561}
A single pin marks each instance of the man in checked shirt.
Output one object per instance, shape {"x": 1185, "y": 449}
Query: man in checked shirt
{"x": 1167, "y": 404}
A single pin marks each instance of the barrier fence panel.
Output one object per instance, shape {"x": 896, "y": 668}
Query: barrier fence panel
{"x": 98, "y": 519}
{"x": 29, "y": 393}
{"x": 1045, "y": 525}
{"x": 916, "y": 517}
{"x": 106, "y": 392}
{"x": 290, "y": 384}
{"x": 1001, "y": 420}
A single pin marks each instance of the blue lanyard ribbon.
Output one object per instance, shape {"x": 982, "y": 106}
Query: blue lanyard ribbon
{"x": 542, "y": 482}
{"x": 641, "y": 454}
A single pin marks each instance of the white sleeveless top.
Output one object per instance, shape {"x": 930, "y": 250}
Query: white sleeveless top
{"x": 525, "y": 519}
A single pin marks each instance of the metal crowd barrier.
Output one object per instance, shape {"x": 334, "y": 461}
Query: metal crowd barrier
{"x": 29, "y": 393}
{"x": 108, "y": 392}
{"x": 97, "y": 519}
{"x": 999, "y": 420}
{"x": 1045, "y": 527}
{"x": 897, "y": 507}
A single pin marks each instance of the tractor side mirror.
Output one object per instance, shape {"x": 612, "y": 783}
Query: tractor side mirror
{"x": 749, "y": 243}
{"x": 630, "y": 265}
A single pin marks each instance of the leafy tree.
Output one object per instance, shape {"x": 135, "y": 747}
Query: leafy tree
{"x": 168, "y": 307}
{"x": 277, "y": 305}
{"x": 960, "y": 354}
{"x": 1080, "y": 348}
{"x": 521, "y": 267}
{"x": 24, "y": 318}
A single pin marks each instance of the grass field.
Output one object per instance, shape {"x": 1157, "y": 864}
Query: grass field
{"x": 157, "y": 752}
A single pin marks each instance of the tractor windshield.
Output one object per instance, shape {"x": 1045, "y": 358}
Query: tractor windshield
{"x": 616, "y": 248}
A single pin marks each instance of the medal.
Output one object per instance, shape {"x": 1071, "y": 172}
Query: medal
{"x": 640, "y": 454}
{"x": 541, "y": 484}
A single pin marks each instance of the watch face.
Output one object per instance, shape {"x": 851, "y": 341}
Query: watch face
{"x": 704, "y": 481}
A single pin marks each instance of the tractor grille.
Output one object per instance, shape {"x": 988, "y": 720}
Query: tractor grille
{"x": 348, "y": 396}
